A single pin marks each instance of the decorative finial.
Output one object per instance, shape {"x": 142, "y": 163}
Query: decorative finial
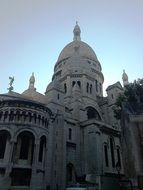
{"x": 77, "y": 32}
{"x": 10, "y": 89}
{"x": 32, "y": 82}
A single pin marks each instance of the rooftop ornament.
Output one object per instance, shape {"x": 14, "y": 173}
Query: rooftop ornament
{"x": 10, "y": 89}
{"x": 77, "y": 32}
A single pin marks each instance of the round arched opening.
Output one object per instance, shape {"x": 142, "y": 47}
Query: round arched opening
{"x": 92, "y": 113}
{"x": 24, "y": 147}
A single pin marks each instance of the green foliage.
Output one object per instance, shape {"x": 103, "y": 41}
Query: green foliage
{"x": 133, "y": 93}
{"x": 118, "y": 106}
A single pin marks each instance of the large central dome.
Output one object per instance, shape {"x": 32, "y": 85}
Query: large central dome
{"x": 81, "y": 47}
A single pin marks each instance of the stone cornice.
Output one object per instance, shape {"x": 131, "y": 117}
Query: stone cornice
{"x": 106, "y": 128}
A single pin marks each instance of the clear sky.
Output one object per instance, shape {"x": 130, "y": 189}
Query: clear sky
{"x": 33, "y": 33}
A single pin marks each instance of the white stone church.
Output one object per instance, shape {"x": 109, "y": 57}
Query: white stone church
{"x": 67, "y": 137}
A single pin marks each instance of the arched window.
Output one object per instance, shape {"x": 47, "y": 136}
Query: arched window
{"x": 4, "y": 136}
{"x": 79, "y": 83}
{"x": 73, "y": 83}
{"x": 25, "y": 146}
{"x": 90, "y": 89}
{"x": 65, "y": 88}
{"x": 43, "y": 120}
{"x": 96, "y": 85}
{"x": 46, "y": 122}
{"x": 42, "y": 148}
{"x": 70, "y": 133}
{"x": 92, "y": 113}
{"x": 118, "y": 156}
{"x": 39, "y": 119}
{"x": 87, "y": 87}
{"x": 35, "y": 117}
{"x": 106, "y": 155}
{"x": 112, "y": 152}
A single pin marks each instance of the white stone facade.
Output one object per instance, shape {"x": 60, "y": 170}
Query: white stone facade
{"x": 71, "y": 134}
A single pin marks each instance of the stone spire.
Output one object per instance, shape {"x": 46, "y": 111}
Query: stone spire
{"x": 76, "y": 32}
{"x": 32, "y": 82}
{"x": 125, "y": 78}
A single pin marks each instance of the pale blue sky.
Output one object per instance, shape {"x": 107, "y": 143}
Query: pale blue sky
{"x": 33, "y": 33}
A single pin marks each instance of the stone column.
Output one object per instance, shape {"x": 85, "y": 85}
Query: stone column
{"x": 46, "y": 169}
{"x": 2, "y": 117}
{"x": 69, "y": 91}
{"x": 18, "y": 147}
{"x": 30, "y": 151}
{"x": 49, "y": 155}
{"x": 64, "y": 162}
{"x": 68, "y": 86}
{"x": 94, "y": 155}
{"x": 83, "y": 85}
{"x": 9, "y": 153}
{"x": 98, "y": 152}
{"x": 33, "y": 183}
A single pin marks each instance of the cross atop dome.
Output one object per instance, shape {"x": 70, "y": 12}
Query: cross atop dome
{"x": 77, "y": 32}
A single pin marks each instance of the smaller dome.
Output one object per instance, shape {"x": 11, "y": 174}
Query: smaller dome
{"x": 12, "y": 95}
{"x": 53, "y": 84}
{"x": 34, "y": 95}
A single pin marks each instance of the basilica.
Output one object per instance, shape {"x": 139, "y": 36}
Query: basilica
{"x": 66, "y": 137}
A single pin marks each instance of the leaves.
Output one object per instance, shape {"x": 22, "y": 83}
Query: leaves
{"x": 133, "y": 93}
{"x": 118, "y": 105}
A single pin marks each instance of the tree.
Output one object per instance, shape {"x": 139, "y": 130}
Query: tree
{"x": 133, "y": 93}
